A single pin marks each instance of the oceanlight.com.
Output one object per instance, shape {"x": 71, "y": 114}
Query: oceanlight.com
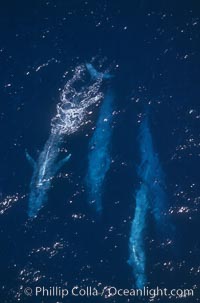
{"x": 108, "y": 291}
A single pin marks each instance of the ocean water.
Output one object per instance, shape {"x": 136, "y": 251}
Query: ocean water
{"x": 152, "y": 50}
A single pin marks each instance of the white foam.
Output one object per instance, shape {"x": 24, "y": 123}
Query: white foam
{"x": 74, "y": 101}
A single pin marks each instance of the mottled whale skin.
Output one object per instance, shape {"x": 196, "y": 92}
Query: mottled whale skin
{"x": 70, "y": 116}
{"x": 44, "y": 170}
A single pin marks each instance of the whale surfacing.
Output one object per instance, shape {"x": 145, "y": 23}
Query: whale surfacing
{"x": 71, "y": 113}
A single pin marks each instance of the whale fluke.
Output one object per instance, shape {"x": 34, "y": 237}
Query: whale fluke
{"x": 95, "y": 74}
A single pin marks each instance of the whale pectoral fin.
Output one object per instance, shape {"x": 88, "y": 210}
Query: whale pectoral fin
{"x": 30, "y": 159}
{"x": 62, "y": 162}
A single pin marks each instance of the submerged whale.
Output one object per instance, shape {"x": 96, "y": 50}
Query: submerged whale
{"x": 70, "y": 116}
{"x": 150, "y": 199}
{"x": 99, "y": 158}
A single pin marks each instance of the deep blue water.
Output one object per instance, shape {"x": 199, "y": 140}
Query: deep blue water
{"x": 152, "y": 49}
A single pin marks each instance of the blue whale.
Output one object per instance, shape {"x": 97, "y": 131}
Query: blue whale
{"x": 44, "y": 170}
{"x": 150, "y": 198}
{"x": 99, "y": 158}
{"x": 71, "y": 114}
